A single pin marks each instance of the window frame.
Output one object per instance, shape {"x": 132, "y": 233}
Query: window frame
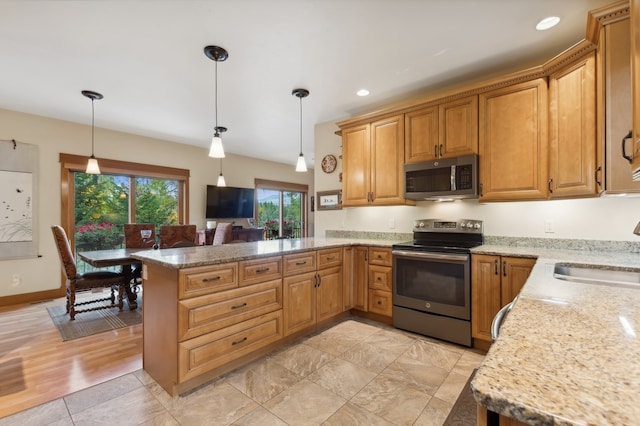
{"x": 71, "y": 164}
{"x": 285, "y": 187}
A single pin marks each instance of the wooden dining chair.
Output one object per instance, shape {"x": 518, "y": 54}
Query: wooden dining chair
{"x": 172, "y": 236}
{"x": 138, "y": 235}
{"x": 223, "y": 234}
{"x": 89, "y": 280}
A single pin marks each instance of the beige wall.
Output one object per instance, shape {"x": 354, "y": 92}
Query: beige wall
{"x": 592, "y": 219}
{"x": 56, "y": 136}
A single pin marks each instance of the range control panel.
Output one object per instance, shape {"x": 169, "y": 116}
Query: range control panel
{"x": 471, "y": 226}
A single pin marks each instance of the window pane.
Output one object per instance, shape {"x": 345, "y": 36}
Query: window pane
{"x": 269, "y": 212}
{"x": 101, "y": 208}
{"x": 156, "y": 201}
{"x": 292, "y": 214}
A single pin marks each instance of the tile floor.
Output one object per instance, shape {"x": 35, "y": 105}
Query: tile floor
{"x": 354, "y": 373}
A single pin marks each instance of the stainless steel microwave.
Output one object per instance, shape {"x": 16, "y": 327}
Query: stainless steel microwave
{"x": 442, "y": 179}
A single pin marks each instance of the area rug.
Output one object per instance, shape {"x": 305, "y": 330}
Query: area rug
{"x": 463, "y": 412}
{"x": 88, "y": 323}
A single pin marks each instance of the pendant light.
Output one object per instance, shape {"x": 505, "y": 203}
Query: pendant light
{"x": 216, "y": 54}
{"x": 221, "y": 181}
{"x": 301, "y": 166}
{"x": 92, "y": 164}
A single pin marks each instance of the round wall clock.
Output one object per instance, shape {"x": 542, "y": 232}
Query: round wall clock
{"x": 329, "y": 163}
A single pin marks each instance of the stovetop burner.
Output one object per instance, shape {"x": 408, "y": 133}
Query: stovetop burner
{"x": 444, "y": 235}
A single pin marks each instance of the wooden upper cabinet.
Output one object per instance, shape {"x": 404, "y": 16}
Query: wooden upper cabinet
{"x": 513, "y": 143}
{"x": 387, "y": 161}
{"x": 458, "y": 131}
{"x": 356, "y": 165}
{"x": 572, "y": 130}
{"x": 635, "y": 84}
{"x": 373, "y": 160}
{"x": 446, "y": 130}
{"x": 421, "y": 134}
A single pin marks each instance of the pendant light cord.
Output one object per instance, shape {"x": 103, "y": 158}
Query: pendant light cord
{"x": 300, "y": 125}
{"x": 216, "y": 93}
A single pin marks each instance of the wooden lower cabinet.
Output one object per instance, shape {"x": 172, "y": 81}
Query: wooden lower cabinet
{"x": 199, "y": 320}
{"x": 360, "y": 276}
{"x": 496, "y": 281}
{"x": 311, "y": 297}
{"x": 380, "y": 281}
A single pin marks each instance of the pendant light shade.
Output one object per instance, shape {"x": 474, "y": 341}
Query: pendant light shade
{"x": 221, "y": 181}
{"x": 92, "y": 165}
{"x": 216, "y": 54}
{"x": 301, "y": 165}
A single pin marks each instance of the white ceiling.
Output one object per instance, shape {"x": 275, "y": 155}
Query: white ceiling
{"x": 146, "y": 58}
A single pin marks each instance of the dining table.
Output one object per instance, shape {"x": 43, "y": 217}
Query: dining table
{"x": 115, "y": 257}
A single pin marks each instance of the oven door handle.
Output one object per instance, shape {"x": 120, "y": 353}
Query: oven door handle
{"x": 430, "y": 255}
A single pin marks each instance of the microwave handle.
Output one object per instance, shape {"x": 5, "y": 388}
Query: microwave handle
{"x": 453, "y": 177}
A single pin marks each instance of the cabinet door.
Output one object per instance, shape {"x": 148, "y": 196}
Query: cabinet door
{"x": 360, "y": 276}
{"x": 513, "y": 142}
{"x": 458, "y": 129}
{"x": 421, "y": 137}
{"x": 329, "y": 293}
{"x": 356, "y": 166}
{"x": 515, "y": 271}
{"x": 387, "y": 161}
{"x": 485, "y": 294}
{"x": 616, "y": 81}
{"x": 299, "y": 298}
{"x": 572, "y": 130}
{"x": 348, "y": 258}
{"x": 635, "y": 84}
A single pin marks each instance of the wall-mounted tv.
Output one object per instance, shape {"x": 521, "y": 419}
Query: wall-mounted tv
{"x": 229, "y": 202}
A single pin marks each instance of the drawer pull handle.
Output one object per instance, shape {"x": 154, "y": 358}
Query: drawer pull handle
{"x": 379, "y": 278}
{"x": 237, "y": 342}
{"x": 208, "y": 280}
{"x": 379, "y": 302}
{"x": 242, "y": 305}
{"x": 301, "y": 263}
{"x": 261, "y": 270}
{"x": 331, "y": 258}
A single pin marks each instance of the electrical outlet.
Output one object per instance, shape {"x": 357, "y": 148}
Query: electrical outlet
{"x": 549, "y": 228}
{"x": 15, "y": 280}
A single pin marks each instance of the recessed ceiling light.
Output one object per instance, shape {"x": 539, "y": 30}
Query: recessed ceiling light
{"x": 362, "y": 92}
{"x": 548, "y": 22}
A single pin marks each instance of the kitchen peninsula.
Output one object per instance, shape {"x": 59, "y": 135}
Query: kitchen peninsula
{"x": 568, "y": 351}
{"x": 210, "y": 309}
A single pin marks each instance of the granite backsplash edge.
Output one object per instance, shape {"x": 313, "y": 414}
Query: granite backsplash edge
{"x": 546, "y": 243}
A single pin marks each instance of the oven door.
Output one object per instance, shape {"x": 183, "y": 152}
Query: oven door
{"x": 438, "y": 283}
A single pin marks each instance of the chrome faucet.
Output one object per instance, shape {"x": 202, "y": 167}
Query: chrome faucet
{"x": 637, "y": 230}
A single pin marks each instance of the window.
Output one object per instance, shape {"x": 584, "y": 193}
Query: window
{"x": 95, "y": 207}
{"x": 281, "y": 209}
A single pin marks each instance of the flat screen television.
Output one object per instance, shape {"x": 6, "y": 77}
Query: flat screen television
{"x": 229, "y": 202}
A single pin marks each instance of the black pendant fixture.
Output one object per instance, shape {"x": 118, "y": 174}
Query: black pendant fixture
{"x": 92, "y": 165}
{"x": 301, "y": 165}
{"x": 216, "y": 54}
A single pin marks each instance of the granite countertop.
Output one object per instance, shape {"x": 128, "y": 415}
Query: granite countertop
{"x": 568, "y": 352}
{"x": 187, "y": 257}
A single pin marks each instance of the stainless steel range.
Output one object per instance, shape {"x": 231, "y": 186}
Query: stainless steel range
{"x": 432, "y": 279}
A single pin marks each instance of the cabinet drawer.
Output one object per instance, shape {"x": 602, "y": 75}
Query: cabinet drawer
{"x": 329, "y": 257}
{"x": 259, "y": 270}
{"x": 201, "y": 354}
{"x": 207, "y": 279}
{"x": 200, "y": 315}
{"x": 298, "y": 263}
{"x": 380, "y": 302}
{"x": 380, "y": 278}
{"x": 380, "y": 256}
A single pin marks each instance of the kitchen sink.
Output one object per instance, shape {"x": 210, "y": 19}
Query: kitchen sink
{"x": 598, "y": 274}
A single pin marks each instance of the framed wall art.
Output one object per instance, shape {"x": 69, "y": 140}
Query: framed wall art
{"x": 329, "y": 200}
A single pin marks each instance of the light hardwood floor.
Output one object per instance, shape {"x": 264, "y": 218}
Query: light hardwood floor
{"x": 36, "y": 366}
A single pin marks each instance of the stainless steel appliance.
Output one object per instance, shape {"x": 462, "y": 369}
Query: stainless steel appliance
{"x": 448, "y": 178}
{"x": 432, "y": 279}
